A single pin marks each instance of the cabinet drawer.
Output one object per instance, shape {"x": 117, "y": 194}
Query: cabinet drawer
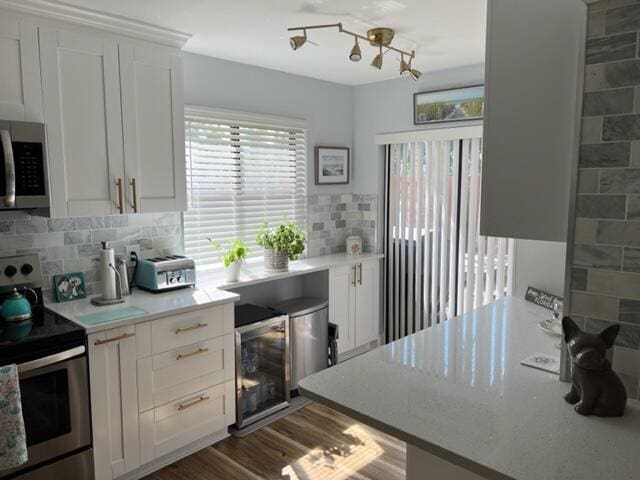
{"x": 188, "y": 328}
{"x": 172, "y": 426}
{"x": 167, "y": 376}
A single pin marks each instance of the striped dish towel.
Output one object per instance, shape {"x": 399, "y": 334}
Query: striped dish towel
{"x": 13, "y": 439}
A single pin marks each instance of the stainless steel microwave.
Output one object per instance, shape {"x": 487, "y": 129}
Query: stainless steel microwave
{"x": 24, "y": 177}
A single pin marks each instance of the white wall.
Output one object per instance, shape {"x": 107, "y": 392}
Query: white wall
{"x": 326, "y": 106}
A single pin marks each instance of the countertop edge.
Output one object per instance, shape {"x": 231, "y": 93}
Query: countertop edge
{"x": 443, "y": 453}
{"x": 217, "y": 281}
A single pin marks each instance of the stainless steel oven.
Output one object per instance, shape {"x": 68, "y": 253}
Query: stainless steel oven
{"x": 24, "y": 181}
{"x": 55, "y": 405}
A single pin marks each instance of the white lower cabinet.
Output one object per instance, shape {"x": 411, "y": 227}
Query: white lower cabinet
{"x": 354, "y": 296}
{"x": 114, "y": 402}
{"x": 159, "y": 386}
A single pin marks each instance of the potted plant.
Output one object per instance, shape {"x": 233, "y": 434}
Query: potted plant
{"x": 232, "y": 258}
{"x": 281, "y": 244}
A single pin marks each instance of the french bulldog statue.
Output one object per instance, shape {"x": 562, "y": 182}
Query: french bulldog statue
{"x": 595, "y": 389}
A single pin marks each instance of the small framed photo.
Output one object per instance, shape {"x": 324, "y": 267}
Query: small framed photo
{"x": 332, "y": 165}
{"x": 69, "y": 286}
{"x": 448, "y": 105}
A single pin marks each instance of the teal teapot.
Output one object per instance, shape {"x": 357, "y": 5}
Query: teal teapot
{"x": 16, "y": 307}
{"x": 15, "y": 314}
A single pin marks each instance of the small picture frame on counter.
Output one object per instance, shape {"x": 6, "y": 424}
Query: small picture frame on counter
{"x": 69, "y": 286}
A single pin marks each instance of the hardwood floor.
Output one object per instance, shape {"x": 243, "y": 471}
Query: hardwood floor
{"x": 311, "y": 444}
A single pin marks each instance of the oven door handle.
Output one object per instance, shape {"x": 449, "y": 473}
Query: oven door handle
{"x": 51, "y": 359}
{"x": 9, "y": 169}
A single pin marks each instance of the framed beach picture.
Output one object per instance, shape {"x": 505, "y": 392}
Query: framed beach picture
{"x": 448, "y": 105}
{"x": 69, "y": 286}
{"x": 332, "y": 165}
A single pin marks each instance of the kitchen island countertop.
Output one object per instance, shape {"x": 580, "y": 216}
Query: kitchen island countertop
{"x": 457, "y": 391}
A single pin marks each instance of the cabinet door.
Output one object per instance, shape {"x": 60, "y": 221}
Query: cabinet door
{"x": 367, "y": 302}
{"x": 533, "y": 80}
{"x": 153, "y": 119}
{"x": 20, "y": 89}
{"x": 114, "y": 402}
{"x": 81, "y": 95}
{"x": 342, "y": 305}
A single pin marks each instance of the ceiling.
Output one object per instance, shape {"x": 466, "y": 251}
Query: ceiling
{"x": 444, "y": 33}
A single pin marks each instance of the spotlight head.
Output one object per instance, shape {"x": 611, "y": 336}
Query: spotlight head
{"x": 377, "y": 61}
{"x": 404, "y": 67}
{"x": 356, "y": 54}
{"x": 415, "y": 73}
{"x": 297, "y": 41}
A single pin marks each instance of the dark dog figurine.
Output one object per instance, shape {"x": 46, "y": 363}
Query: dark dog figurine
{"x": 595, "y": 389}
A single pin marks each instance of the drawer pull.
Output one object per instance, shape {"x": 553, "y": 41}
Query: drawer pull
{"x": 182, "y": 356}
{"x": 192, "y": 327}
{"x": 184, "y": 406}
{"x": 114, "y": 339}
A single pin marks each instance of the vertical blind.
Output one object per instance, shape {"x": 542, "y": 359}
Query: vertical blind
{"x": 240, "y": 174}
{"x": 438, "y": 265}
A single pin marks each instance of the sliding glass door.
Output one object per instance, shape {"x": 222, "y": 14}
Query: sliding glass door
{"x": 437, "y": 263}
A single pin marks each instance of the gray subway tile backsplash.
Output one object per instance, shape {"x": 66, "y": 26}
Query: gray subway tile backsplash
{"x": 608, "y": 102}
{"x": 605, "y": 155}
{"x": 611, "y": 48}
{"x": 605, "y": 278}
{"x": 73, "y": 244}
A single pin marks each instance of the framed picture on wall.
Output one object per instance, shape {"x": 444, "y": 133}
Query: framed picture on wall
{"x": 448, "y": 105}
{"x": 332, "y": 165}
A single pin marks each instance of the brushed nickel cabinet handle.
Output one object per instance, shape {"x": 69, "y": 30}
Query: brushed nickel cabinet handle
{"x": 120, "y": 203}
{"x": 184, "y": 406}
{"x": 182, "y": 356}
{"x": 360, "y": 273}
{"x": 9, "y": 170}
{"x": 134, "y": 204}
{"x": 192, "y": 327}
{"x": 353, "y": 275}
{"x": 114, "y": 339}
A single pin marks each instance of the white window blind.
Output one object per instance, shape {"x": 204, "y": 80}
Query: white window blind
{"x": 241, "y": 174}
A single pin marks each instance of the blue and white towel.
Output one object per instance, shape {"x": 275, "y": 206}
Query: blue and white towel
{"x": 13, "y": 439}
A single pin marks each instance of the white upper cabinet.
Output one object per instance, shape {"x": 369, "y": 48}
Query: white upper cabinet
{"x": 535, "y": 51}
{"x": 110, "y": 93}
{"x": 81, "y": 91}
{"x": 20, "y": 92}
{"x": 153, "y": 121}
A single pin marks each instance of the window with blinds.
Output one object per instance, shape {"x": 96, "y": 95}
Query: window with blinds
{"x": 240, "y": 174}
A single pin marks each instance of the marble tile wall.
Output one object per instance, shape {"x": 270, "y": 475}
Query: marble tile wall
{"x": 332, "y": 218}
{"x": 605, "y": 277}
{"x": 72, "y": 244}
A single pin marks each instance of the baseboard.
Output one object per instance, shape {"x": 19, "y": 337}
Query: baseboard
{"x": 173, "y": 457}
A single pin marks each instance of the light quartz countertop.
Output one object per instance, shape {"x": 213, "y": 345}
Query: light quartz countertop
{"x": 254, "y": 273}
{"x": 212, "y": 290}
{"x": 156, "y": 304}
{"x": 458, "y": 391}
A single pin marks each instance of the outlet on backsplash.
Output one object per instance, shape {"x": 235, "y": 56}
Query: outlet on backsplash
{"x": 131, "y": 250}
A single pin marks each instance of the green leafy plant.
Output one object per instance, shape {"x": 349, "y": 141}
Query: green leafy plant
{"x": 286, "y": 237}
{"x": 237, "y": 251}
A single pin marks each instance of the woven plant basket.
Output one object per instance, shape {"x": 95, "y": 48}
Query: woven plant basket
{"x": 276, "y": 261}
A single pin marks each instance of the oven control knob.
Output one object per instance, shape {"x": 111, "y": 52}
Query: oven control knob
{"x": 179, "y": 279}
{"x": 172, "y": 280}
{"x": 10, "y": 271}
{"x": 26, "y": 269}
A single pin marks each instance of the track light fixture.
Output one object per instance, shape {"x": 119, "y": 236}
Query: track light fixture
{"x": 356, "y": 54}
{"x": 299, "y": 40}
{"x": 377, "y": 60}
{"x": 378, "y": 37}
